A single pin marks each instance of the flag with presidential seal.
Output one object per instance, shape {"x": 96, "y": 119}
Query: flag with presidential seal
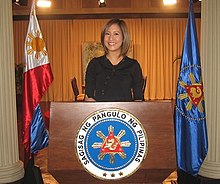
{"x": 189, "y": 115}
{"x": 111, "y": 144}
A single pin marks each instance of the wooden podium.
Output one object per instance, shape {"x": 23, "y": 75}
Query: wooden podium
{"x": 66, "y": 119}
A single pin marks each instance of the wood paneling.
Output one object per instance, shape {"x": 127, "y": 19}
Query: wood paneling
{"x": 129, "y": 7}
{"x": 180, "y": 7}
{"x": 73, "y": 4}
{"x": 109, "y": 4}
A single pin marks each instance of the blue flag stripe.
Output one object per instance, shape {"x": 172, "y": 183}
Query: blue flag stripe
{"x": 39, "y": 135}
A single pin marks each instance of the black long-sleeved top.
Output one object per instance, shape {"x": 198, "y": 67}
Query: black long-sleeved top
{"x": 107, "y": 82}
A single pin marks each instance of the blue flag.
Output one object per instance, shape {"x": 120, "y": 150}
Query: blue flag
{"x": 189, "y": 115}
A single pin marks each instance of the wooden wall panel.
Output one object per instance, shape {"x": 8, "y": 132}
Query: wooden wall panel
{"x": 129, "y": 7}
{"x": 76, "y": 4}
{"x": 110, "y": 4}
{"x": 140, "y": 4}
{"x": 58, "y": 4}
{"x": 90, "y": 4}
{"x": 179, "y": 5}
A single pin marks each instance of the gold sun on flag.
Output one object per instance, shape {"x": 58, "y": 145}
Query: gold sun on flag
{"x": 36, "y": 44}
{"x": 194, "y": 92}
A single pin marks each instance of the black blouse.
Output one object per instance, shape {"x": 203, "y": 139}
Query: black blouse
{"x": 107, "y": 82}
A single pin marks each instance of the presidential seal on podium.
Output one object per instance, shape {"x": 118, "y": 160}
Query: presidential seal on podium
{"x": 111, "y": 144}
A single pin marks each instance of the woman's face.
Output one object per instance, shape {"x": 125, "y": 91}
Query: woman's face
{"x": 113, "y": 38}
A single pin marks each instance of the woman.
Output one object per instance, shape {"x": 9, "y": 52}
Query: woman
{"x": 114, "y": 76}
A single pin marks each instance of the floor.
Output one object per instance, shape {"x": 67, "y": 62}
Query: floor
{"x": 41, "y": 161}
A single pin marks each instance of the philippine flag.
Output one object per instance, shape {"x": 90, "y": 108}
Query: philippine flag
{"x": 37, "y": 77}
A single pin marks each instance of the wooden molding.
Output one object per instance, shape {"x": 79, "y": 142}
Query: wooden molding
{"x": 106, "y": 16}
